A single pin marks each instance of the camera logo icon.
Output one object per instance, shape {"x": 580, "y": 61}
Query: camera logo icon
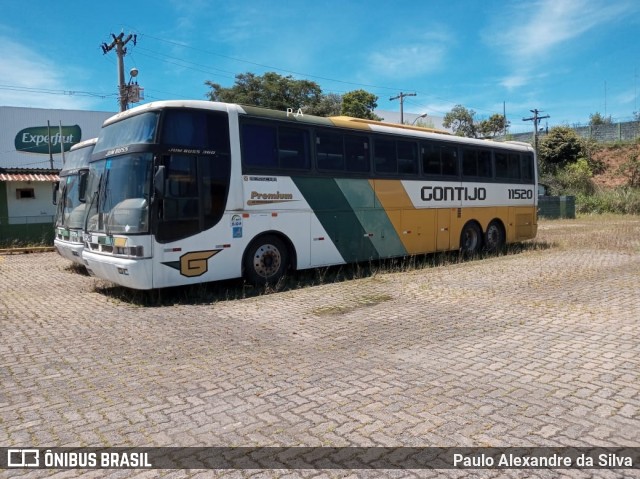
{"x": 23, "y": 458}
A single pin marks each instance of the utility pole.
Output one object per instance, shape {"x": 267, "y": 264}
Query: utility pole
{"x": 401, "y": 97}
{"x": 535, "y": 119}
{"x": 119, "y": 43}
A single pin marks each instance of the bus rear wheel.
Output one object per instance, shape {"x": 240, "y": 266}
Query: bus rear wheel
{"x": 266, "y": 261}
{"x": 470, "y": 239}
{"x": 494, "y": 237}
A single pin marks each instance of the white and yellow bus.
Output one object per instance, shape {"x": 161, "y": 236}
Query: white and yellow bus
{"x": 183, "y": 192}
{"x": 70, "y": 201}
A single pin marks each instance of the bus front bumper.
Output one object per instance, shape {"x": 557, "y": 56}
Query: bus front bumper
{"x": 70, "y": 251}
{"x": 131, "y": 273}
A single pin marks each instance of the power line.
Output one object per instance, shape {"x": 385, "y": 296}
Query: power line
{"x": 283, "y": 70}
{"x": 270, "y": 67}
{"x": 50, "y": 91}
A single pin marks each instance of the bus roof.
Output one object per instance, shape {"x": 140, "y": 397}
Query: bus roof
{"x": 333, "y": 121}
{"x": 84, "y": 144}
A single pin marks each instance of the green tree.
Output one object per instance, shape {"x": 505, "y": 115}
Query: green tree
{"x": 559, "y": 148}
{"x": 268, "y": 91}
{"x": 461, "y": 121}
{"x": 597, "y": 119}
{"x": 360, "y": 104}
{"x": 493, "y": 126}
{"x": 329, "y": 105}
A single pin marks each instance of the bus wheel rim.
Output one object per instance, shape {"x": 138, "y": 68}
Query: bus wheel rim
{"x": 471, "y": 240}
{"x": 267, "y": 260}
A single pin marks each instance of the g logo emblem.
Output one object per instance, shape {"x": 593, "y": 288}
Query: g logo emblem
{"x": 196, "y": 263}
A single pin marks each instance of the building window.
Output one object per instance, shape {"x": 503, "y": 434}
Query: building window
{"x": 24, "y": 193}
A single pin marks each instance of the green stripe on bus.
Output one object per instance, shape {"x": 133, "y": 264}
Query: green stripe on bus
{"x": 337, "y": 218}
{"x": 374, "y": 220}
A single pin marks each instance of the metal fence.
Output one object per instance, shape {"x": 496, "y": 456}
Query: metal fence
{"x": 554, "y": 207}
{"x": 611, "y": 132}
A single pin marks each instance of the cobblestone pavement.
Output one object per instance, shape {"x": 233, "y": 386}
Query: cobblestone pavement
{"x": 540, "y": 347}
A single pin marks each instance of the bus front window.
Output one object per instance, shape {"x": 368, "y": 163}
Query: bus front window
{"x": 70, "y": 207}
{"x": 118, "y": 195}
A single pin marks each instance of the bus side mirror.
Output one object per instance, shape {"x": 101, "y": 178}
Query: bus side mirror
{"x": 54, "y": 187}
{"x": 158, "y": 181}
{"x": 83, "y": 177}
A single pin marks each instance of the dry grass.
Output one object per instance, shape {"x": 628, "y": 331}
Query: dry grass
{"x": 601, "y": 232}
{"x": 598, "y": 232}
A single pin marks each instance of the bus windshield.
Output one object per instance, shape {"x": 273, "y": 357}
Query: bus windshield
{"x": 70, "y": 212}
{"x": 71, "y": 190}
{"x": 134, "y": 130}
{"x": 119, "y": 194}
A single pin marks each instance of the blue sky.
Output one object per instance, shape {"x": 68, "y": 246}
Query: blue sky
{"x": 567, "y": 58}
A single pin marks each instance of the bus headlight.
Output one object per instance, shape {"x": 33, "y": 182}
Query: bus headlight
{"x": 131, "y": 251}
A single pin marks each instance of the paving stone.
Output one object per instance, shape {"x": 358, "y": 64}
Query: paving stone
{"x": 536, "y": 348}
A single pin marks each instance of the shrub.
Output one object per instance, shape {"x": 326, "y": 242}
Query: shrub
{"x": 622, "y": 200}
{"x": 573, "y": 179}
{"x": 631, "y": 169}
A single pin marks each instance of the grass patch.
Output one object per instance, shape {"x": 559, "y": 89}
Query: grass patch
{"x": 623, "y": 200}
{"x": 359, "y": 302}
{"x": 75, "y": 268}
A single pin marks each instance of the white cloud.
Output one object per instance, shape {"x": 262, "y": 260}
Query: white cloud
{"x": 423, "y": 54}
{"x": 540, "y": 30}
{"x": 31, "y": 80}
{"x": 405, "y": 61}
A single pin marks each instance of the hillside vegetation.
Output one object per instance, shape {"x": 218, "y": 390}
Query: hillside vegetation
{"x": 604, "y": 178}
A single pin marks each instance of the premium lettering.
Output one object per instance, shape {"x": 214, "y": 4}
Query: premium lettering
{"x": 271, "y": 196}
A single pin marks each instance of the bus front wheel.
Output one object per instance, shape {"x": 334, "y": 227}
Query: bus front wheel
{"x": 266, "y": 260}
{"x": 470, "y": 239}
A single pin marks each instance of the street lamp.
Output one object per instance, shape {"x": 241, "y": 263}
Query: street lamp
{"x": 424, "y": 115}
{"x": 134, "y": 93}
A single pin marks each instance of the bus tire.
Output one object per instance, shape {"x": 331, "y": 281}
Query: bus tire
{"x": 266, "y": 260}
{"x": 470, "y": 239}
{"x": 494, "y": 237}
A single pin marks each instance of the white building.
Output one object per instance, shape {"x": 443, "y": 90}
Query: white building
{"x": 31, "y": 145}
{"x": 429, "y": 121}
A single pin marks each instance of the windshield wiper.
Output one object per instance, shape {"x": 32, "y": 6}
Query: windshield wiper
{"x": 104, "y": 190}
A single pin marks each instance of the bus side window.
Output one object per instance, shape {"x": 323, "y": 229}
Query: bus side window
{"x": 527, "y": 168}
{"x": 357, "y": 153}
{"x": 514, "y": 166}
{"x": 449, "y": 160}
{"x": 293, "y": 148}
{"x": 469, "y": 162}
{"x": 196, "y": 129}
{"x": 329, "y": 151}
{"x": 502, "y": 165}
{"x": 485, "y": 169}
{"x": 385, "y": 159}
{"x": 430, "y": 159}
{"x": 407, "y": 158}
{"x": 259, "y": 146}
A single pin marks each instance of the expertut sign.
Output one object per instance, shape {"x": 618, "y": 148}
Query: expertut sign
{"x": 45, "y": 139}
